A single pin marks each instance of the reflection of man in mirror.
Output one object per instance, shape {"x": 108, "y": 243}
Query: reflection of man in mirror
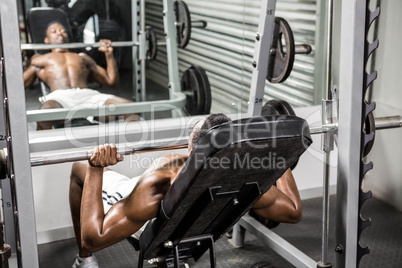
{"x": 67, "y": 73}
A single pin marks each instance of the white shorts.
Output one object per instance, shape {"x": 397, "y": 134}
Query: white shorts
{"x": 77, "y": 98}
{"x": 116, "y": 187}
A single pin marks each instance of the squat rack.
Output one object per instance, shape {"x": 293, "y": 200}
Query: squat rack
{"x": 349, "y": 132}
{"x": 353, "y": 110}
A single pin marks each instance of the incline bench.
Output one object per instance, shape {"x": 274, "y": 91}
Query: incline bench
{"x": 227, "y": 172}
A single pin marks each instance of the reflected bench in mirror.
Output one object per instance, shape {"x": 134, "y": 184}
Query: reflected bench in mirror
{"x": 227, "y": 172}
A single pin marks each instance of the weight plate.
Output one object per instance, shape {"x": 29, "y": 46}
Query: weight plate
{"x": 278, "y": 107}
{"x": 200, "y": 72}
{"x": 369, "y": 126}
{"x": 3, "y": 165}
{"x": 192, "y": 86}
{"x": 152, "y": 50}
{"x": 183, "y": 23}
{"x": 281, "y": 62}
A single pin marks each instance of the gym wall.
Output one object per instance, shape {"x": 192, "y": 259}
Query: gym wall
{"x": 225, "y": 50}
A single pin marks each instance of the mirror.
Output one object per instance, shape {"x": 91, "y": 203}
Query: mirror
{"x": 222, "y": 44}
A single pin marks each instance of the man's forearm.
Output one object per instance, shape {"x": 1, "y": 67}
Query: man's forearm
{"x": 111, "y": 69}
{"x": 29, "y": 76}
{"x": 92, "y": 213}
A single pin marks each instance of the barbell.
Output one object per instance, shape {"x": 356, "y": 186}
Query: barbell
{"x": 183, "y": 25}
{"x": 282, "y": 52}
{"x": 195, "y": 85}
{"x": 165, "y": 145}
{"x": 150, "y": 37}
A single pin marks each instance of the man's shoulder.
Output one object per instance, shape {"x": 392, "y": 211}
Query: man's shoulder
{"x": 166, "y": 165}
{"x": 38, "y": 56}
{"x": 167, "y": 162}
{"x": 169, "y": 159}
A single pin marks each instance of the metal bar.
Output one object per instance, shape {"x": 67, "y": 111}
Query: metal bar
{"x": 328, "y": 116}
{"x": 381, "y": 123}
{"x": 76, "y": 45}
{"x": 21, "y": 177}
{"x": 135, "y": 52}
{"x": 325, "y": 212}
{"x": 323, "y": 129}
{"x": 198, "y": 24}
{"x": 142, "y": 59}
{"x": 299, "y": 49}
{"x": 178, "y": 101}
{"x": 277, "y": 243}
{"x": 57, "y": 158}
{"x": 126, "y": 149}
{"x": 352, "y": 46}
{"x": 388, "y": 122}
{"x": 260, "y": 59}
{"x": 328, "y": 75}
{"x": 171, "y": 48}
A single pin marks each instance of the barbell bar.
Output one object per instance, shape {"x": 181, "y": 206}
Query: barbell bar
{"x": 81, "y": 45}
{"x": 58, "y": 158}
{"x": 380, "y": 123}
{"x": 167, "y": 145}
{"x": 299, "y": 49}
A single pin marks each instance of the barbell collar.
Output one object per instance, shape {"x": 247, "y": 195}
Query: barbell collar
{"x": 299, "y": 49}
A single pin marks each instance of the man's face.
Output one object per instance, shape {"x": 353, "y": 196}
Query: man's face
{"x": 56, "y": 34}
{"x": 195, "y": 129}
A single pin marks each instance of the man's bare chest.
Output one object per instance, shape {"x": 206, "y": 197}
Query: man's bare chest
{"x": 66, "y": 59}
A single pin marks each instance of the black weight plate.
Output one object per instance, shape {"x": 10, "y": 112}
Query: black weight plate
{"x": 278, "y": 107}
{"x": 205, "y": 86}
{"x": 280, "y": 64}
{"x": 192, "y": 85}
{"x": 3, "y": 165}
{"x": 183, "y": 23}
{"x": 369, "y": 126}
{"x": 152, "y": 50}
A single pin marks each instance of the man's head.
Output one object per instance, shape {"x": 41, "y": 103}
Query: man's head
{"x": 56, "y": 34}
{"x": 201, "y": 128}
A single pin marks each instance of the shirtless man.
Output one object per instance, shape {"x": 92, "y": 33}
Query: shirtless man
{"x": 107, "y": 207}
{"x": 67, "y": 75}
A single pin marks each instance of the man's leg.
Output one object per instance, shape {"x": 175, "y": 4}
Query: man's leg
{"x": 77, "y": 178}
{"x": 118, "y": 100}
{"x": 281, "y": 203}
{"x": 50, "y": 104}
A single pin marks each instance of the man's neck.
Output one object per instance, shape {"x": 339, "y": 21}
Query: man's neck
{"x": 60, "y": 50}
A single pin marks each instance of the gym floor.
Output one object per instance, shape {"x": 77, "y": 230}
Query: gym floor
{"x": 384, "y": 237}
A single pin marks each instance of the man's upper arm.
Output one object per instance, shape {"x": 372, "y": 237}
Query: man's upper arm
{"x": 29, "y": 76}
{"x": 96, "y": 72}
